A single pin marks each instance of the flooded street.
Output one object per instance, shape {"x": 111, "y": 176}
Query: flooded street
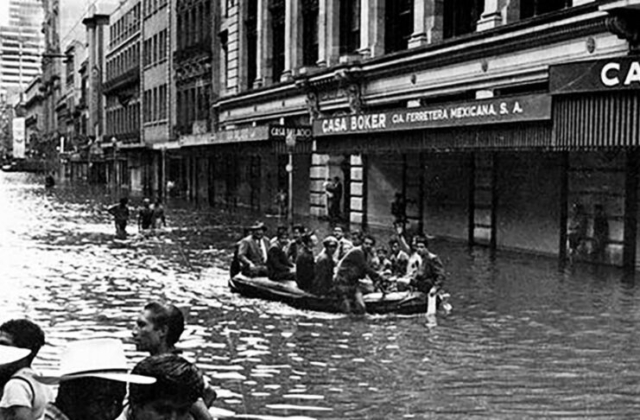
{"x": 525, "y": 339}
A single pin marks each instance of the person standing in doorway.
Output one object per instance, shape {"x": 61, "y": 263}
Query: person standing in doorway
{"x": 600, "y": 233}
{"x": 577, "y": 230}
{"x": 334, "y": 199}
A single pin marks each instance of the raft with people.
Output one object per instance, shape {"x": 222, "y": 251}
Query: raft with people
{"x": 287, "y": 291}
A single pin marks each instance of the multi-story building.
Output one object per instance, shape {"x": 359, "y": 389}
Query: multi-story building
{"x": 158, "y": 90}
{"x": 123, "y": 92}
{"x": 21, "y": 44}
{"x": 470, "y": 109}
{"x": 34, "y": 115}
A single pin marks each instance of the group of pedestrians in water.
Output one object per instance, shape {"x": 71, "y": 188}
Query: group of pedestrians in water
{"x": 150, "y": 216}
{"x": 93, "y": 375}
{"x": 345, "y": 268}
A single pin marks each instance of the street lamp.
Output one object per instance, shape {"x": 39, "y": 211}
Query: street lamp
{"x": 290, "y": 141}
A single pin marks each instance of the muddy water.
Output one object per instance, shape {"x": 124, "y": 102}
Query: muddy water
{"x": 525, "y": 339}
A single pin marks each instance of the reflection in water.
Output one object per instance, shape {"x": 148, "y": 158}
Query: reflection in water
{"x": 525, "y": 339}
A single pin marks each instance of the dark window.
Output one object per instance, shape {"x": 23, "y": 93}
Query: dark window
{"x": 530, "y": 8}
{"x": 309, "y": 32}
{"x": 398, "y": 24}
{"x": 349, "y": 26}
{"x": 277, "y": 21}
{"x": 461, "y": 17}
{"x": 252, "y": 42}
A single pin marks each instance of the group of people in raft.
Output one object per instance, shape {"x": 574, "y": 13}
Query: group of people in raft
{"x": 341, "y": 269}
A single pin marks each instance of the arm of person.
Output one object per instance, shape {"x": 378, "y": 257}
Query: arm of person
{"x": 438, "y": 270}
{"x": 17, "y": 400}
{"x": 278, "y": 260}
{"x": 243, "y": 247}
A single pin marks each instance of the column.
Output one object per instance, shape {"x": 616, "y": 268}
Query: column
{"x": 263, "y": 28}
{"x": 427, "y": 22}
{"x": 631, "y": 210}
{"x": 328, "y": 33}
{"x": 371, "y": 28}
{"x": 292, "y": 39}
{"x": 491, "y": 17}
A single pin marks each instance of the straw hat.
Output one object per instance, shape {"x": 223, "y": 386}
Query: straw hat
{"x": 98, "y": 358}
{"x": 10, "y": 354}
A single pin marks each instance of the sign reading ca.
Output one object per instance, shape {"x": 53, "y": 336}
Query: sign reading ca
{"x": 593, "y": 76}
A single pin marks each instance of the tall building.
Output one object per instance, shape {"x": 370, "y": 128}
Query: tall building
{"x": 21, "y": 44}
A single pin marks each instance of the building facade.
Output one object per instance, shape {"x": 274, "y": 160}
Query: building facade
{"x": 21, "y": 45}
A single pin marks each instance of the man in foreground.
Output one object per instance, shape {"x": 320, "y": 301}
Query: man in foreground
{"x": 157, "y": 330}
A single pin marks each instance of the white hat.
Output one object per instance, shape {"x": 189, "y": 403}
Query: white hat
{"x": 10, "y": 354}
{"x": 98, "y": 358}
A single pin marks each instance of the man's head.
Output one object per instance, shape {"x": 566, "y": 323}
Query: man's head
{"x": 91, "y": 398}
{"x": 338, "y": 232}
{"x": 178, "y": 385}
{"x": 283, "y": 236}
{"x": 394, "y": 246}
{"x": 356, "y": 237}
{"x": 257, "y": 230}
{"x": 381, "y": 252}
{"x": 146, "y": 202}
{"x": 421, "y": 245}
{"x": 24, "y": 334}
{"x": 297, "y": 231}
{"x": 330, "y": 244}
{"x": 158, "y": 328}
{"x": 368, "y": 242}
{"x": 124, "y": 201}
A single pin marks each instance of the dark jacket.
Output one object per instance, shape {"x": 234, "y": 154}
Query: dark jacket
{"x": 277, "y": 263}
{"x": 323, "y": 280}
{"x": 354, "y": 266}
{"x": 305, "y": 269}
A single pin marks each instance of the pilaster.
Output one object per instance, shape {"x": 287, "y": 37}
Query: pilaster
{"x": 265, "y": 37}
{"x": 371, "y": 28}
{"x": 292, "y": 39}
{"x": 491, "y": 16}
{"x": 328, "y": 33}
{"x": 427, "y": 22}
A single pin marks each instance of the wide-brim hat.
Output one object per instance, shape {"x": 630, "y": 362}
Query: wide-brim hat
{"x": 258, "y": 226}
{"x": 98, "y": 358}
{"x": 10, "y": 354}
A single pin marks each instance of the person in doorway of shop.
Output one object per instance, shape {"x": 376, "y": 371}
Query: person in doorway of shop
{"x": 92, "y": 381}
{"x": 282, "y": 203}
{"x": 179, "y": 385}
{"x": 334, "y": 199}
{"x": 279, "y": 267}
{"x": 23, "y": 398}
{"x": 157, "y": 330}
{"x": 399, "y": 208}
{"x": 305, "y": 263}
{"x": 351, "y": 269}
{"x": 120, "y": 213}
{"x": 159, "y": 218}
{"x": 577, "y": 230}
{"x": 252, "y": 252}
{"x": 325, "y": 267}
{"x": 430, "y": 273}
{"x": 145, "y": 215}
{"x": 49, "y": 181}
{"x": 600, "y": 233}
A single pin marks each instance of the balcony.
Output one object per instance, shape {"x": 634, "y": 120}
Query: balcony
{"x": 199, "y": 49}
{"x": 128, "y": 78}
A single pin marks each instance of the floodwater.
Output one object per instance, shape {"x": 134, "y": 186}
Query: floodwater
{"x": 525, "y": 339}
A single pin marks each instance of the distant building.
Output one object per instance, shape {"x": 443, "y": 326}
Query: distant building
{"x": 21, "y": 45}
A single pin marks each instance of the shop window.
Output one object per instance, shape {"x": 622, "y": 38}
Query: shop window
{"x": 398, "y": 24}
{"x": 252, "y": 42}
{"x": 349, "y": 26}
{"x": 531, "y": 8}
{"x": 461, "y": 16}
{"x": 276, "y": 8}
{"x": 309, "y": 32}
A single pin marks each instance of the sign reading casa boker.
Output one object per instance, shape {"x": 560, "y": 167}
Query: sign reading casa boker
{"x": 621, "y": 73}
{"x": 480, "y": 112}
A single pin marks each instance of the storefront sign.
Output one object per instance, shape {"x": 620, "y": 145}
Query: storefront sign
{"x": 280, "y": 132}
{"x": 592, "y": 76}
{"x": 481, "y": 112}
{"x": 257, "y": 133}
